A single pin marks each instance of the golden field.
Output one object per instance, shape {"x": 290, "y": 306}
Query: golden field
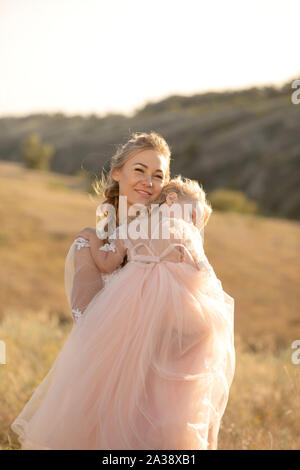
{"x": 256, "y": 258}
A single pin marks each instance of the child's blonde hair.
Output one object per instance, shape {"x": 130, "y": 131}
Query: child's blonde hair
{"x": 186, "y": 189}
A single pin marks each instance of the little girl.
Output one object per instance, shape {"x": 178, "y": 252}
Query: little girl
{"x": 150, "y": 363}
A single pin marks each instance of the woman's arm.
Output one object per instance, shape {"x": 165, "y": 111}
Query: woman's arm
{"x": 83, "y": 279}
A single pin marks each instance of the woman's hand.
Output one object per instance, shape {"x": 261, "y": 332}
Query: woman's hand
{"x": 86, "y": 233}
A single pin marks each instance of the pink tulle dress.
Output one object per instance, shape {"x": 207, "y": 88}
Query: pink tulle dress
{"x": 150, "y": 363}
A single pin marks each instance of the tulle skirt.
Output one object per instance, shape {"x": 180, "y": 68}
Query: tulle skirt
{"x": 148, "y": 366}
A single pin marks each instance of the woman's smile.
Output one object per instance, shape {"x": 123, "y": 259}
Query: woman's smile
{"x": 142, "y": 177}
{"x": 143, "y": 193}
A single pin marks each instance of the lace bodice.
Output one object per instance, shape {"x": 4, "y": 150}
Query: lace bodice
{"x": 171, "y": 240}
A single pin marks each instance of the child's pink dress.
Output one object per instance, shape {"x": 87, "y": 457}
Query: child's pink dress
{"x": 150, "y": 363}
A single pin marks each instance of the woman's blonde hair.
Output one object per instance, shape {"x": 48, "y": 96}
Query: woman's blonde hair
{"x": 187, "y": 189}
{"x": 106, "y": 187}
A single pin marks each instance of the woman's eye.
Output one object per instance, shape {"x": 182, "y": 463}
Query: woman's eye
{"x": 157, "y": 176}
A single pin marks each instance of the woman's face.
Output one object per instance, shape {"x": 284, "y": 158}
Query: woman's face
{"x": 142, "y": 177}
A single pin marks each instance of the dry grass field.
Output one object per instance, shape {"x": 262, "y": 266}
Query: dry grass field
{"x": 256, "y": 258}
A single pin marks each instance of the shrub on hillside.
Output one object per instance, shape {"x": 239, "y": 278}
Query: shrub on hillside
{"x": 232, "y": 200}
{"x": 36, "y": 154}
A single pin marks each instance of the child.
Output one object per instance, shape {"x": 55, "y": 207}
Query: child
{"x": 154, "y": 349}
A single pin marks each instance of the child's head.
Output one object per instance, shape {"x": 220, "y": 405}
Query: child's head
{"x": 186, "y": 191}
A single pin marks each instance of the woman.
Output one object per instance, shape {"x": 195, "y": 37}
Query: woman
{"x": 138, "y": 170}
{"x": 70, "y": 408}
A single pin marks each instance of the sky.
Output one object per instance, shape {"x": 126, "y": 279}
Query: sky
{"x": 100, "y": 56}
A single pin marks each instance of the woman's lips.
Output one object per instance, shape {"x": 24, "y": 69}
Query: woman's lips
{"x": 143, "y": 194}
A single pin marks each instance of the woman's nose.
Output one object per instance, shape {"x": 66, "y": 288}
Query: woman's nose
{"x": 148, "y": 179}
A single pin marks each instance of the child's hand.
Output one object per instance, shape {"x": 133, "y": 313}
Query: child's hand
{"x": 86, "y": 233}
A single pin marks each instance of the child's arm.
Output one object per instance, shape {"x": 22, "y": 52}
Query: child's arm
{"x": 109, "y": 256}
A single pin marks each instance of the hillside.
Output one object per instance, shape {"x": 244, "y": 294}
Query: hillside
{"x": 247, "y": 140}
